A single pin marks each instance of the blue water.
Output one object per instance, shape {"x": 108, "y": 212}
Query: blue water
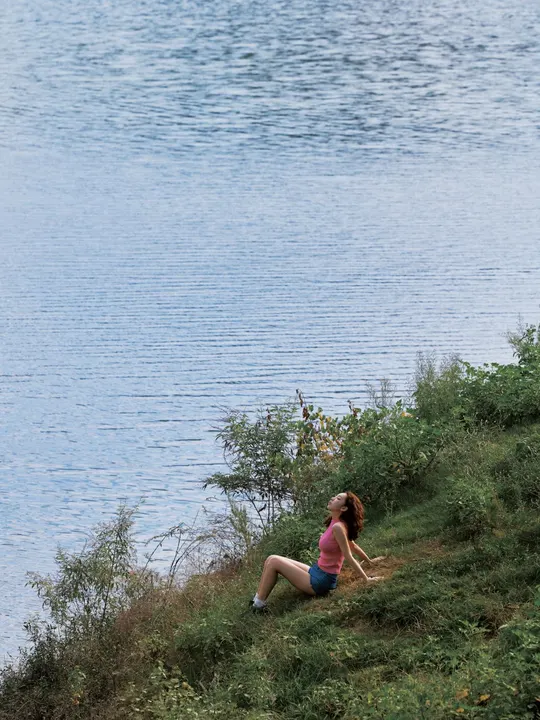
{"x": 212, "y": 204}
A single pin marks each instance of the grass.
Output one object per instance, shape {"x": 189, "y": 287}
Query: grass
{"x": 407, "y": 647}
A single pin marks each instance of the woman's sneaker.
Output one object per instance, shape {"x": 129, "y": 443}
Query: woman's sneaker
{"x": 255, "y": 609}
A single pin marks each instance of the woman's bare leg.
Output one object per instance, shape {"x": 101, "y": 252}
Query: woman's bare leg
{"x": 300, "y": 564}
{"x": 290, "y": 569}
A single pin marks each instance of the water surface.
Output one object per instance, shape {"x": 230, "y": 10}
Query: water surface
{"x": 213, "y": 204}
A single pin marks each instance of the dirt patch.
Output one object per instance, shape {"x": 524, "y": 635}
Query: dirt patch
{"x": 422, "y": 550}
{"x": 349, "y": 580}
{"x": 427, "y": 549}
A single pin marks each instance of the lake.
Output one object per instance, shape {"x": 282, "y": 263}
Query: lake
{"x": 209, "y": 205}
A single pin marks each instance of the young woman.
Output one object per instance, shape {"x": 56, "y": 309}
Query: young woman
{"x": 337, "y": 544}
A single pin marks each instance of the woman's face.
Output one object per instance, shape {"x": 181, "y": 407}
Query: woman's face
{"x": 338, "y": 502}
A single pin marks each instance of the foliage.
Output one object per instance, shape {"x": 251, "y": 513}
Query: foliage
{"x": 315, "y": 483}
{"x": 496, "y": 394}
{"x": 502, "y": 395}
{"x": 526, "y": 343}
{"x": 294, "y": 536}
{"x": 215, "y": 541}
{"x": 68, "y": 664}
{"x": 166, "y": 695}
{"x": 506, "y": 394}
{"x": 260, "y": 456}
{"x": 211, "y": 638}
{"x": 230, "y": 537}
{"x": 415, "y": 646}
{"x": 472, "y": 506}
{"x": 320, "y": 437}
{"x": 91, "y": 586}
{"x": 437, "y": 392}
{"x": 381, "y": 450}
{"x": 396, "y": 452}
{"x": 518, "y": 473}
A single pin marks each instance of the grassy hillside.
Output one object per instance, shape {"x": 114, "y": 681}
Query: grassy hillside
{"x": 452, "y": 492}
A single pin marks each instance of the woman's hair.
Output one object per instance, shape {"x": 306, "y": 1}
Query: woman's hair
{"x": 353, "y": 516}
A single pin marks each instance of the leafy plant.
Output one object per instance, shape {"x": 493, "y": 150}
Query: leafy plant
{"x": 437, "y": 393}
{"x": 260, "y": 455}
{"x": 518, "y": 473}
{"x": 502, "y": 395}
{"x": 526, "y": 343}
{"x": 471, "y": 507}
{"x": 91, "y": 586}
{"x": 506, "y": 394}
{"x": 320, "y": 437}
{"x": 395, "y": 452}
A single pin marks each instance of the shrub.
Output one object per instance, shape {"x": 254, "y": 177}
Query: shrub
{"x": 70, "y": 661}
{"x": 502, "y": 395}
{"x": 437, "y": 393}
{"x": 518, "y": 473}
{"x": 315, "y": 484}
{"x": 260, "y": 456}
{"x": 526, "y": 343}
{"x": 495, "y": 394}
{"x": 393, "y": 455}
{"x": 506, "y": 394}
{"x": 164, "y": 694}
{"x": 471, "y": 507}
{"x": 294, "y": 536}
{"x": 91, "y": 586}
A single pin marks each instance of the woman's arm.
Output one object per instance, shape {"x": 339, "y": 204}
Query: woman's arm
{"x": 339, "y": 533}
{"x": 357, "y": 550}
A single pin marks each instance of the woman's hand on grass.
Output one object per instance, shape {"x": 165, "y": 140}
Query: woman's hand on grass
{"x": 379, "y": 558}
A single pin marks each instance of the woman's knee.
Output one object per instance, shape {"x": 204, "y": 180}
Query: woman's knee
{"x": 272, "y": 560}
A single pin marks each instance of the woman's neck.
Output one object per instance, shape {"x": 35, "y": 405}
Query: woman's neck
{"x": 335, "y": 515}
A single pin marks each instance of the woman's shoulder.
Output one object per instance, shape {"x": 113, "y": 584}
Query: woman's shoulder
{"x": 340, "y": 526}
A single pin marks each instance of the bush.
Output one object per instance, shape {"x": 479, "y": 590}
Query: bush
{"x": 526, "y": 343}
{"x": 518, "y": 474}
{"x": 437, "y": 393}
{"x": 471, "y": 507}
{"x": 393, "y": 455}
{"x": 260, "y": 455}
{"x": 294, "y": 536}
{"x": 494, "y": 394}
{"x": 502, "y": 395}
{"x": 509, "y": 394}
{"x": 315, "y": 484}
{"x": 71, "y": 659}
{"x": 92, "y": 586}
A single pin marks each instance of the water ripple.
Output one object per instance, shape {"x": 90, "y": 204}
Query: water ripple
{"x": 213, "y": 204}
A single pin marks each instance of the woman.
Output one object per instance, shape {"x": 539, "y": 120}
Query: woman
{"x": 337, "y": 544}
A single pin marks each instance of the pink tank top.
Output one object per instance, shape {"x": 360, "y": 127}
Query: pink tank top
{"x": 331, "y": 558}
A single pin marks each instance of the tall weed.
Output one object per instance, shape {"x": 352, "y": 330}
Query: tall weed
{"x": 472, "y": 507}
{"x": 437, "y": 389}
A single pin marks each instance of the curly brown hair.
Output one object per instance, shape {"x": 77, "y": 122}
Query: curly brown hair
{"x": 353, "y": 516}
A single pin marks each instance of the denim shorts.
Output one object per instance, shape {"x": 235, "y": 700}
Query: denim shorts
{"x": 321, "y": 581}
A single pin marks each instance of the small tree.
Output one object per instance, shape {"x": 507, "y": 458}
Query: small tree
{"x": 526, "y": 343}
{"x": 260, "y": 454}
{"x": 91, "y": 586}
